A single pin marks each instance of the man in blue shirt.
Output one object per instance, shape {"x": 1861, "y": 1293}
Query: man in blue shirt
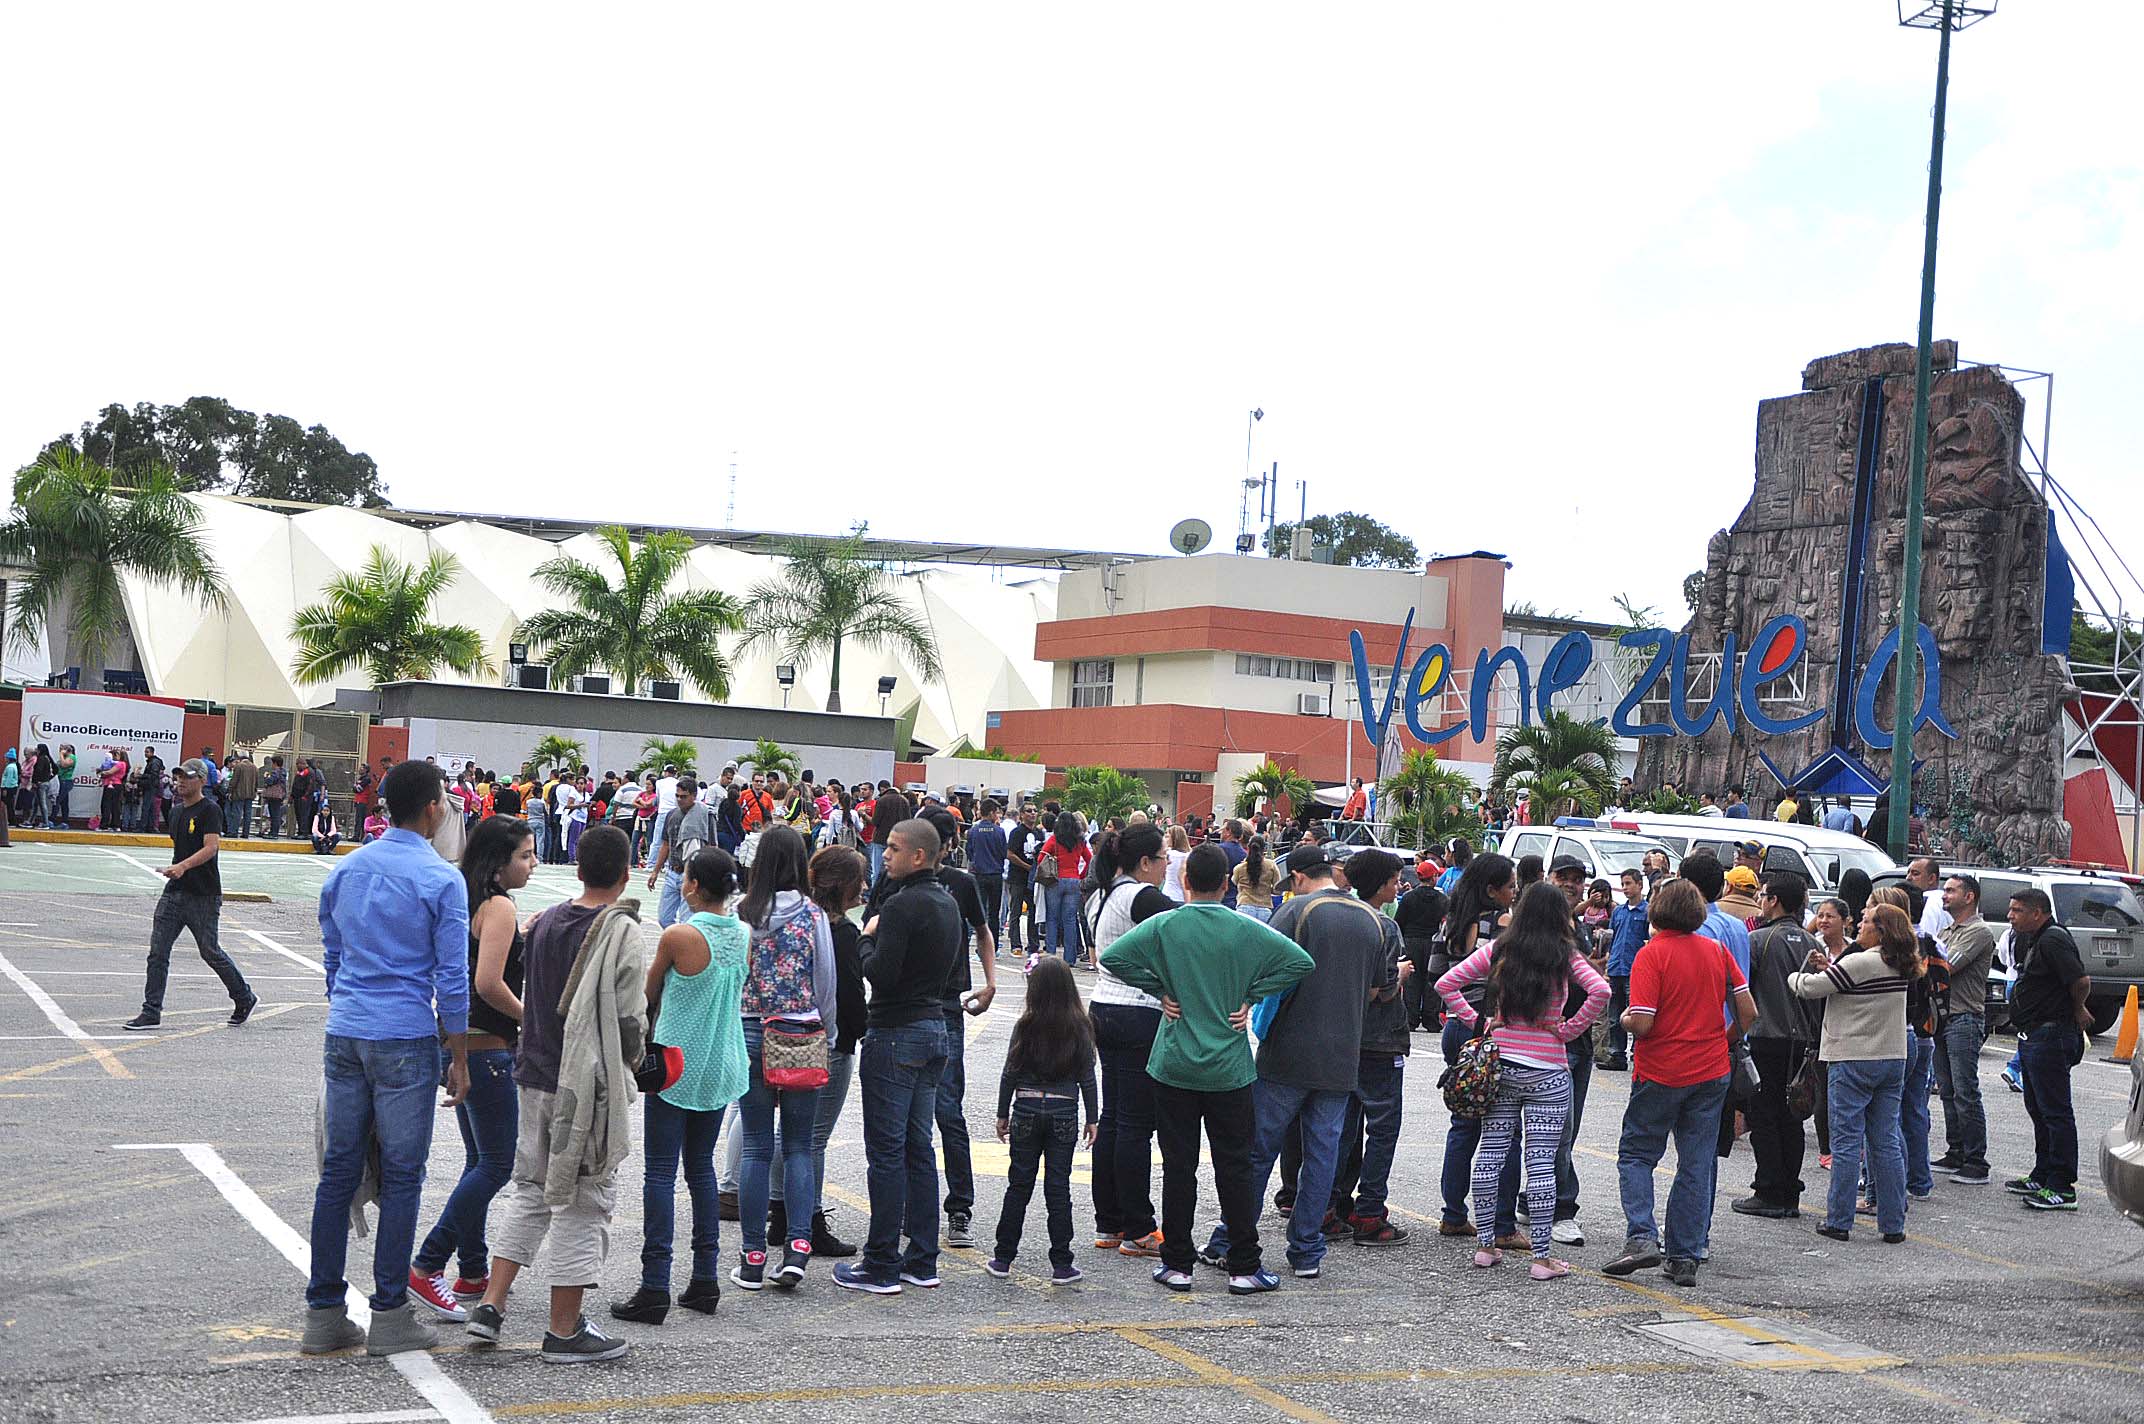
{"x": 394, "y": 930}
{"x": 1737, "y": 808}
{"x": 1839, "y": 818}
{"x": 1232, "y": 847}
{"x": 986, "y": 862}
{"x": 1628, "y": 932}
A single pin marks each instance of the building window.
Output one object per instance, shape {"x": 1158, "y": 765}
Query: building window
{"x": 1092, "y": 681}
{"x": 1293, "y": 669}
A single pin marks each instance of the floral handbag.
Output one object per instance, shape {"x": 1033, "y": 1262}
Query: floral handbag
{"x": 793, "y": 1055}
{"x": 1470, "y": 1083}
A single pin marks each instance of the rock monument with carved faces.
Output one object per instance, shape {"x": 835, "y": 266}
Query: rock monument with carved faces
{"x": 1832, "y": 462}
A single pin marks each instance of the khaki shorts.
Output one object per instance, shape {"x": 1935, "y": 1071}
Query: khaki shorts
{"x": 578, "y": 1232}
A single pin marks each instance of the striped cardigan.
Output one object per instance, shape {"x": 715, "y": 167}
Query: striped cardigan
{"x": 1866, "y": 1018}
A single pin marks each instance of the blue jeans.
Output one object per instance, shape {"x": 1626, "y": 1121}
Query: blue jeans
{"x": 677, "y": 1135}
{"x": 799, "y": 1108}
{"x": 878, "y": 860}
{"x": 1965, "y": 1120}
{"x": 1063, "y": 926}
{"x": 1461, "y": 1140}
{"x": 1044, "y": 1133}
{"x": 1370, "y": 1137}
{"x": 238, "y": 818}
{"x": 1864, "y": 1118}
{"x": 490, "y": 1121}
{"x": 2045, "y": 1057}
{"x": 1913, "y": 1112}
{"x": 377, "y": 1090}
{"x": 952, "y": 1118}
{"x": 900, "y": 1068}
{"x": 539, "y": 833}
{"x": 1691, "y": 1116}
{"x": 670, "y": 904}
{"x": 1280, "y": 1109}
{"x": 840, "y": 1071}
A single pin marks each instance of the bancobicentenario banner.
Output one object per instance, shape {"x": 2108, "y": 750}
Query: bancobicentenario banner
{"x": 99, "y": 725}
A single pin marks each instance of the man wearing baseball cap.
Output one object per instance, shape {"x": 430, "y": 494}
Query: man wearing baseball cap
{"x": 1740, "y": 899}
{"x": 192, "y": 900}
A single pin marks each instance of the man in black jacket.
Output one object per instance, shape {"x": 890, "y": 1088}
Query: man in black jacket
{"x": 911, "y": 945}
{"x": 1780, "y": 1042}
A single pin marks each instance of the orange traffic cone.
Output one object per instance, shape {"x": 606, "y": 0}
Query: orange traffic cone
{"x": 2125, "y": 1040}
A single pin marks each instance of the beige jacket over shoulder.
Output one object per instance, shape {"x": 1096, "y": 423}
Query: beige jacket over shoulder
{"x": 606, "y": 1033}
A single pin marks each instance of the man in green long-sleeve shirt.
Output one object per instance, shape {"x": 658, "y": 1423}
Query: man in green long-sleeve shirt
{"x": 1205, "y": 963}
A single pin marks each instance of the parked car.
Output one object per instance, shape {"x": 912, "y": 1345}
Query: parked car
{"x": 2099, "y": 907}
{"x": 1818, "y": 856}
{"x": 2121, "y": 1151}
{"x": 1605, "y": 852}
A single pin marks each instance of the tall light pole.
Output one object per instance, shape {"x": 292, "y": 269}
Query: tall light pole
{"x": 1945, "y": 17}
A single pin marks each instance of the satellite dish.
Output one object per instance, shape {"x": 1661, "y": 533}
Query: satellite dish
{"x": 1190, "y": 535}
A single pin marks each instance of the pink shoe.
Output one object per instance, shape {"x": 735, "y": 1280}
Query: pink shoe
{"x": 1548, "y": 1268}
{"x": 1486, "y": 1257}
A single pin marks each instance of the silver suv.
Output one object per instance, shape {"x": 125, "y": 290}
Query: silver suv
{"x": 2100, "y": 909}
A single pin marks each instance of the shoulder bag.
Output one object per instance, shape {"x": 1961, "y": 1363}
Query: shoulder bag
{"x": 1046, "y": 866}
{"x": 793, "y": 1055}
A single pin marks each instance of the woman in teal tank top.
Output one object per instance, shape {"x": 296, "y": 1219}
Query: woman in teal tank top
{"x": 694, "y": 986}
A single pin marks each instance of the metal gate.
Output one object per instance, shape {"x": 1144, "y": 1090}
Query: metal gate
{"x": 333, "y": 741}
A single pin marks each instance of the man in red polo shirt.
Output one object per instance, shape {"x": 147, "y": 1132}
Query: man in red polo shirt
{"x": 1678, "y": 1082}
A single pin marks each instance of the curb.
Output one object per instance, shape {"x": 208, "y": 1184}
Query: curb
{"x": 245, "y": 845}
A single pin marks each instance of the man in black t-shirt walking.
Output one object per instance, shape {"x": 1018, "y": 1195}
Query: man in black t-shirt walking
{"x": 192, "y": 900}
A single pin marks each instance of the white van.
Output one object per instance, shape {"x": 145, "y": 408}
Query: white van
{"x": 1605, "y": 851}
{"x": 1815, "y": 854}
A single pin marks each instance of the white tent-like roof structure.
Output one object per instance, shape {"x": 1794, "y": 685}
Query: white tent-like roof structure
{"x": 276, "y": 562}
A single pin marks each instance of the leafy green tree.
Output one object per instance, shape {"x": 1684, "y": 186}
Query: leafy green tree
{"x": 1270, "y": 781}
{"x": 2092, "y": 641}
{"x": 634, "y": 626}
{"x": 556, "y": 751}
{"x": 78, "y": 528}
{"x": 771, "y": 757}
{"x": 380, "y": 618}
{"x": 655, "y": 754}
{"x": 1557, "y": 760}
{"x": 1356, "y": 540}
{"x": 1429, "y": 802}
{"x": 209, "y": 444}
{"x": 1667, "y": 803}
{"x": 830, "y": 593}
{"x": 1099, "y": 792}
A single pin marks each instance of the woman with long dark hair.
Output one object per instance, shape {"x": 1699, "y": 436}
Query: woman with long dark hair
{"x": 1854, "y": 889}
{"x": 1257, "y": 879}
{"x": 694, "y": 984}
{"x": 1485, "y": 891}
{"x": 497, "y": 861}
{"x": 1049, "y": 1071}
{"x": 1865, "y": 1050}
{"x": 1528, "y": 970}
{"x": 1067, "y": 844}
{"x": 1132, "y": 866}
{"x": 790, "y": 980}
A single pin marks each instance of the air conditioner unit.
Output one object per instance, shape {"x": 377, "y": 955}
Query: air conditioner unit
{"x": 667, "y": 691}
{"x": 536, "y": 677}
{"x": 595, "y": 682}
{"x": 1313, "y": 704}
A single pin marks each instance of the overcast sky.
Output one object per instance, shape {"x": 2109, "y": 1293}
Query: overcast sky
{"x": 1506, "y": 276}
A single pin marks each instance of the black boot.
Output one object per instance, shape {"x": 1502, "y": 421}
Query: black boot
{"x": 824, "y": 1242}
{"x": 701, "y": 1295}
{"x": 647, "y": 1307}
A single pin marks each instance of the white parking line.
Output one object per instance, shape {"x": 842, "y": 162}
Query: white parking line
{"x": 312, "y": 964}
{"x": 149, "y": 870}
{"x": 104, "y": 1056}
{"x": 450, "y": 1401}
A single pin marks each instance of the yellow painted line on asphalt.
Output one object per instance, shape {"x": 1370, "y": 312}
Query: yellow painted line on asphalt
{"x": 1216, "y": 1374}
{"x": 20, "y": 1206}
{"x": 2043, "y": 1357}
{"x": 40, "y": 1069}
{"x": 1683, "y": 1304}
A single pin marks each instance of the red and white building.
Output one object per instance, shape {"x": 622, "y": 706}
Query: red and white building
{"x": 1188, "y": 671}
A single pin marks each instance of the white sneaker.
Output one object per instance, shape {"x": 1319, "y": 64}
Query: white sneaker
{"x": 1567, "y": 1233}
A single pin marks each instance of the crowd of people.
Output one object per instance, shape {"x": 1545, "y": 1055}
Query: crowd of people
{"x": 137, "y": 792}
{"x": 785, "y": 972}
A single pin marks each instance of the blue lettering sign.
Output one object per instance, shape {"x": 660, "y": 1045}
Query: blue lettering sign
{"x": 1875, "y": 735}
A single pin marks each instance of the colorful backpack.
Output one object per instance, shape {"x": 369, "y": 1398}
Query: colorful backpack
{"x": 1470, "y": 1083}
{"x": 778, "y": 981}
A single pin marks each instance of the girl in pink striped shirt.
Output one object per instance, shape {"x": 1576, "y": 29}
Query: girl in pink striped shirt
{"x": 1530, "y": 971}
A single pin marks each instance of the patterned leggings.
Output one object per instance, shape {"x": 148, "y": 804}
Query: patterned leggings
{"x": 1542, "y": 1097}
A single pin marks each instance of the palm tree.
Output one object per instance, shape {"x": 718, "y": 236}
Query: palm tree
{"x": 636, "y": 628}
{"x": 556, "y": 751}
{"x": 1555, "y": 791}
{"x": 1531, "y": 758}
{"x": 1099, "y": 792}
{"x": 828, "y": 593}
{"x": 78, "y": 528}
{"x": 379, "y": 618}
{"x": 655, "y": 754}
{"x": 1270, "y": 781}
{"x": 772, "y": 757}
{"x": 1430, "y": 801}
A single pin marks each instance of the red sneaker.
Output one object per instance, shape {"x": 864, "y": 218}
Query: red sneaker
{"x": 432, "y": 1292}
{"x": 466, "y": 1289}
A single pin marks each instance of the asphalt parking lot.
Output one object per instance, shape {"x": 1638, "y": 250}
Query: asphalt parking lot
{"x": 155, "y": 1192}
